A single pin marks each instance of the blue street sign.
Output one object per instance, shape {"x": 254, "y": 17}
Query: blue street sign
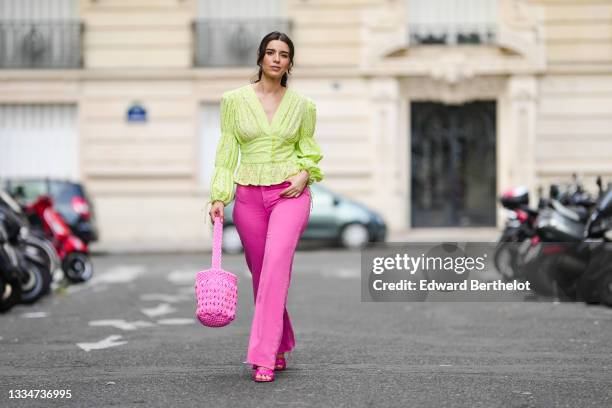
{"x": 136, "y": 113}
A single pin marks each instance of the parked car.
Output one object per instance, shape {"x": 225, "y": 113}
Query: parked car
{"x": 334, "y": 218}
{"x": 70, "y": 200}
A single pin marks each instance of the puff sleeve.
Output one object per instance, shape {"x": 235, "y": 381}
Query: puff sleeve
{"x": 308, "y": 151}
{"x": 226, "y": 159}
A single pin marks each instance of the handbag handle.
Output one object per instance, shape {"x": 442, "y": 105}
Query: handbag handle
{"x": 217, "y": 242}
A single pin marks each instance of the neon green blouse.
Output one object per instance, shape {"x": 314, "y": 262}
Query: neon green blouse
{"x": 270, "y": 152}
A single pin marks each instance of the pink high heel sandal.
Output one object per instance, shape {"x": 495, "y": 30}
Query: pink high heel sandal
{"x": 279, "y": 365}
{"x": 261, "y": 371}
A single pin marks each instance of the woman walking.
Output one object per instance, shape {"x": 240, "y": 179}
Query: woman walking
{"x": 273, "y": 128}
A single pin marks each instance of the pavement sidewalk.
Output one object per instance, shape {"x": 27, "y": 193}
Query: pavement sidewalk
{"x": 205, "y": 245}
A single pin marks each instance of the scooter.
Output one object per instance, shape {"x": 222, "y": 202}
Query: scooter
{"x": 520, "y": 234}
{"x": 10, "y": 285}
{"x": 519, "y": 227}
{"x": 32, "y": 274}
{"x": 35, "y": 244}
{"x": 561, "y": 251}
{"x": 73, "y": 252}
{"x": 595, "y": 285}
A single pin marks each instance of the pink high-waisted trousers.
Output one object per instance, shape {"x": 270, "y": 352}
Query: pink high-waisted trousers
{"x": 270, "y": 227}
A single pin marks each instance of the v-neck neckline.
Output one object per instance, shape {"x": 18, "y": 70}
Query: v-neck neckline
{"x": 262, "y": 111}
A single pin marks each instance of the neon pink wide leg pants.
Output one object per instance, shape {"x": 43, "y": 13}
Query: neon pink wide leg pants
{"x": 270, "y": 227}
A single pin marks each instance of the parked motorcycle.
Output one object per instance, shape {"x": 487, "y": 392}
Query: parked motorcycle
{"x": 27, "y": 266}
{"x": 73, "y": 252}
{"x": 34, "y": 242}
{"x": 519, "y": 233}
{"x": 10, "y": 285}
{"x": 565, "y": 245}
{"x": 595, "y": 285}
{"x": 519, "y": 227}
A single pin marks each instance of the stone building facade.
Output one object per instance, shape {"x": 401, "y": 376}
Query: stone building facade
{"x": 443, "y": 106}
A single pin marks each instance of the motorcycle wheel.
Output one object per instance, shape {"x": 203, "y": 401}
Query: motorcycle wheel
{"x": 35, "y": 283}
{"x": 10, "y": 293}
{"x": 504, "y": 260}
{"x": 506, "y": 254}
{"x": 77, "y": 267}
{"x": 605, "y": 289}
{"x": 570, "y": 269}
{"x": 588, "y": 290}
{"x": 537, "y": 272}
{"x": 47, "y": 264}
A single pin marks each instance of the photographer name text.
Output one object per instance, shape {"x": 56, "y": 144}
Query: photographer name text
{"x": 472, "y": 284}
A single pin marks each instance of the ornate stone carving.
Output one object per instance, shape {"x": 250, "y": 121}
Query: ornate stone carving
{"x": 428, "y": 88}
{"x": 452, "y": 68}
{"x": 518, "y": 42}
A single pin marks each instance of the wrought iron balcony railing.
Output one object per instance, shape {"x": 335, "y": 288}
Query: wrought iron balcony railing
{"x": 451, "y": 34}
{"x": 41, "y": 44}
{"x": 232, "y": 42}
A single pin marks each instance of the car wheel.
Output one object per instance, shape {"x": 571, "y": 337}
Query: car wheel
{"x": 231, "y": 240}
{"x": 354, "y": 236}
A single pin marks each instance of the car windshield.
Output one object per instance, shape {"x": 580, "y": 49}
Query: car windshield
{"x": 61, "y": 192}
{"x": 31, "y": 190}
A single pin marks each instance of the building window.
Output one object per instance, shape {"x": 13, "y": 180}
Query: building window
{"x": 451, "y": 22}
{"x": 228, "y": 33}
{"x": 39, "y": 140}
{"x": 40, "y": 34}
{"x": 209, "y": 136}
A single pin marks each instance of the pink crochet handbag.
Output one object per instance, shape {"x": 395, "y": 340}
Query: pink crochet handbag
{"x": 216, "y": 289}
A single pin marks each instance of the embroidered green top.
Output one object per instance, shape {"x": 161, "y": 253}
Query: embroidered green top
{"x": 270, "y": 152}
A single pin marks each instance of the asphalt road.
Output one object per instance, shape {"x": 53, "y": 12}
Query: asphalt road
{"x": 129, "y": 338}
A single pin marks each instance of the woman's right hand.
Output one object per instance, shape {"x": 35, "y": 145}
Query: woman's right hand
{"x": 216, "y": 210}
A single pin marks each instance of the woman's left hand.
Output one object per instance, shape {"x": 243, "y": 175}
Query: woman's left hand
{"x": 298, "y": 183}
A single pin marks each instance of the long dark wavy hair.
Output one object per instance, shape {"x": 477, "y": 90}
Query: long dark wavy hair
{"x": 261, "y": 51}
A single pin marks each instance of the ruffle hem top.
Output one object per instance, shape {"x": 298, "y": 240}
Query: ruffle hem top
{"x": 270, "y": 152}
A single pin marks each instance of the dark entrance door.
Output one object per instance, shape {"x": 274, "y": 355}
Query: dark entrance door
{"x": 453, "y": 164}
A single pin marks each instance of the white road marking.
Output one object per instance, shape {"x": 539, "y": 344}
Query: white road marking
{"x": 120, "y": 274}
{"x": 342, "y": 273}
{"x": 72, "y": 289}
{"x": 110, "y": 341}
{"x": 176, "y": 321}
{"x": 121, "y": 324}
{"x": 163, "y": 297}
{"x": 182, "y": 276}
{"x": 161, "y": 309}
{"x": 34, "y": 315}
